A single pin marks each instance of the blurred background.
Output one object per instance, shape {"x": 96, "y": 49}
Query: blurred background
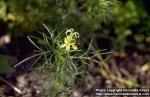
{"x": 120, "y": 26}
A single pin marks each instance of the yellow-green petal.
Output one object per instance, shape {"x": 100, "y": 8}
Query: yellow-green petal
{"x": 67, "y": 47}
{"x": 74, "y": 47}
{"x": 63, "y": 45}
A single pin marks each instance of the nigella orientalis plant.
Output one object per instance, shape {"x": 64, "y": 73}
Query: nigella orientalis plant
{"x": 63, "y": 57}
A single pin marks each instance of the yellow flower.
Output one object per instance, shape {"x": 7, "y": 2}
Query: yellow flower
{"x": 70, "y": 40}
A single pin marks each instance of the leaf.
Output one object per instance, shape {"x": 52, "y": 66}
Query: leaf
{"x": 3, "y": 8}
{"x": 131, "y": 83}
{"x": 145, "y": 67}
{"x": 4, "y": 66}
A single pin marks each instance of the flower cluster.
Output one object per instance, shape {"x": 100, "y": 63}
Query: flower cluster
{"x": 70, "y": 40}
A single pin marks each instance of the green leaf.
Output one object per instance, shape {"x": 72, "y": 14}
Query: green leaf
{"x": 3, "y": 8}
{"x": 4, "y": 66}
